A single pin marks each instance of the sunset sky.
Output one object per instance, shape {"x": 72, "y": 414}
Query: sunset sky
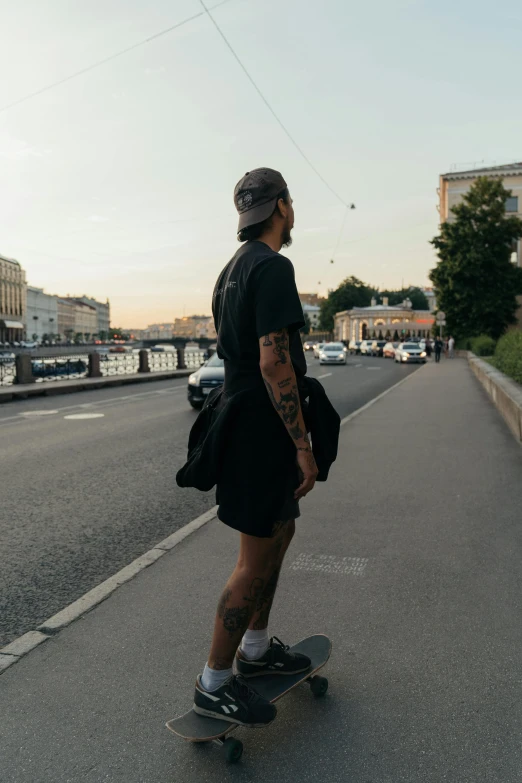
{"x": 118, "y": 183}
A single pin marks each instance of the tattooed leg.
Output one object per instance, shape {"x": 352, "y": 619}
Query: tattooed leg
{"x": 284, "y": 535}
{"x": 246, "y": 593}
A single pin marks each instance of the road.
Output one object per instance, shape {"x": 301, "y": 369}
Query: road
{"x": 81, "y": 498}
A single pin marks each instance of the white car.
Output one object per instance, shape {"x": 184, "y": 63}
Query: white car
{"x": 410, "y": 352}
{"x": 318, "y": 347}
{"x": 365, "y": 349}
{"x": 332, "y": 353}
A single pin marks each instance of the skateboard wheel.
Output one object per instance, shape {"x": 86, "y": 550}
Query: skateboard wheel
{"x": 233, "y": 750}
{"x": 318, "y": 685}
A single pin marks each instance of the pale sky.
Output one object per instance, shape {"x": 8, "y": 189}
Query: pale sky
{"x": 119, "y": 182}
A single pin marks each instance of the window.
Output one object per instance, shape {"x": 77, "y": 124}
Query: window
{"x": 512, "y": 204}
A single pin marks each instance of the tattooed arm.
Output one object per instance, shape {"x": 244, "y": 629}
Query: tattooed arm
{"x": 280, "y": 381}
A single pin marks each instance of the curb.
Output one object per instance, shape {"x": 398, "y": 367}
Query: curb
{"x": 10, "y": 393}
{"x": 16, "y": 649}
{"x": 505, "y": 394}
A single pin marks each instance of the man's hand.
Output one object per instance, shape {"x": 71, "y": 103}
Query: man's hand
{"x": 307, "y": 471}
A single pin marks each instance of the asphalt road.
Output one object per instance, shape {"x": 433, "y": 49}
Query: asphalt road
{"x": 80, "y": 499}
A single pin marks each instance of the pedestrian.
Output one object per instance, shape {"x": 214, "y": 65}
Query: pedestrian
{"x": 438, "y": 349}
{"x": 251, "y": 441}
{"x": 451, "y": 347}
{"x": 428, "y": 348}
{"x": 446, "y": 346}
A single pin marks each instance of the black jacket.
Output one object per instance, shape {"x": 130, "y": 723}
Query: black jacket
{"x": 208, "y": 435}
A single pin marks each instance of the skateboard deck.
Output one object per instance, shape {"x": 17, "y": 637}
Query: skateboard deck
{"x": 199, "y": 728}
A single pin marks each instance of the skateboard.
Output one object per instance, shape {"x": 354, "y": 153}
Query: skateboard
{"x": 198, "y": 728}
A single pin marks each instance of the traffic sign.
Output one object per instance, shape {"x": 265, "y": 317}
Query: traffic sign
{"x": 441, "y": 323}
{"x": 441, "y": 316}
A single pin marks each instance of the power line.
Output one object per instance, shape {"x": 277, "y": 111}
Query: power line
{"x": 271, "y": 110}
{"x": 107, "y": 59}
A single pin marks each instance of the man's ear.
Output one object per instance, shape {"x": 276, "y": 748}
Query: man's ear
{"x": 282, "y": 207}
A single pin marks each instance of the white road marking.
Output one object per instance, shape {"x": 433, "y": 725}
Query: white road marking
{"x": 358, "y": 365}
{"x": 139, "y": 396}
{"x": 38, "y": 413}
{"x": 85, "y": 416}
{"x": 374, "y": 368}
{"x": 330, "y": 564}
{"x": 326, "y": 375}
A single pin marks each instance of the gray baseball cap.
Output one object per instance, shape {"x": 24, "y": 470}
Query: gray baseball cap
{"x": 255, "y": 195}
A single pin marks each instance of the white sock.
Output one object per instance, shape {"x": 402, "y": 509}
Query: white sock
{"x": 254, "y": 644}
{"x": 212, "y": 679}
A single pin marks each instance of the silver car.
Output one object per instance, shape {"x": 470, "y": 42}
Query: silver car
{"x": 410, "y": 352}
{"x": 332, "y": 353}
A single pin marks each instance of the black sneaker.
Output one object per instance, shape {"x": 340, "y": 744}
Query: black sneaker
{"x": 277, "y": 660}
{"x": 235, "y": 702}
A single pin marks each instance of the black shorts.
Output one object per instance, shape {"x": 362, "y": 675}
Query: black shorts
{"x": 259, "y": 473}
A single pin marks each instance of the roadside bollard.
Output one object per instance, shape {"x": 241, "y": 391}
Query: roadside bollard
{"x": 24, "y": 369}
{"x": 144, "y": 361}
{"x": 181, "y": 359}
{"x": 94, "y": 366}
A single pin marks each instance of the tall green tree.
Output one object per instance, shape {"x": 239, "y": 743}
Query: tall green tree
{"x": 351, "y": 293}
{"x": 475, "y": 279}
{"x": 308, "y": 326}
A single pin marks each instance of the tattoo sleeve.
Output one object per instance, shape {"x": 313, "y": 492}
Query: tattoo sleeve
{"x": 281, "y": 385}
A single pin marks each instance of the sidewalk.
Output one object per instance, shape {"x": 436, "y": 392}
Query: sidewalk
{"x": 425, "y": 675}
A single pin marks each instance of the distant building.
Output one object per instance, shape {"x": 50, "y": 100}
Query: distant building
{"x": 42, "y": 314}
{"x": 13, "y": 296}
{"x": 384, "y": 321}
{"x": 311, "y": 299}
{"x": 85, "y": 318}
{"x": 313, "y": 312}
{"x": 454, "y": 186}
{"x": 103, "y": 312}
{"x": 195, "y": 326}
{"x": 163, "y": 331}
{"x": 66, "y": 319}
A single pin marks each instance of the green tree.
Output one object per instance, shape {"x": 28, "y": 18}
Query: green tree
{"x": 475, "y": 279}
{"x": 351, "y": 293}
{"x": 413, "y": 293}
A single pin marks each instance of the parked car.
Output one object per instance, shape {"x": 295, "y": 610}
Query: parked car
{"x": 389, "y": 350}
{"x": 366, "y": 348}
{"x": 208, "y": 377}
{"x": 377, "y": 347}
{"x": 308, "y": 345}
{"x": 355, "y": 346}
{"x": 410, "y": 352}
{"x": 318, "y": 347}
{"x": 166, "y": 348}
{"x": 332, "y": 353}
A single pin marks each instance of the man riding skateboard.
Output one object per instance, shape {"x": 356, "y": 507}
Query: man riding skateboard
{"x": 266, "y": 464}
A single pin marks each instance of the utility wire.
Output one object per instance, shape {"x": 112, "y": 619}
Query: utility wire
{"x": 271, "y": 110}
{"x": 107, "y": 59}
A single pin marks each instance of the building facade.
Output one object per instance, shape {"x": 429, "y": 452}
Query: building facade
{"x": 103, "y": 311}
{"x": 13, "y": 294}
{"x": 454, "y": 186}
{"x": 384, "y": 321}
{"x": 313, "y": 312}
{"x": 195, "y": 326}
{"x": 66, "y": 319}
{"x": 311, "y": 299}
{"x": 41, "y": 315}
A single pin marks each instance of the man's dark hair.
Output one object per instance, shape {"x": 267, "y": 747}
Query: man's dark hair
{"x": 249, "y": 233}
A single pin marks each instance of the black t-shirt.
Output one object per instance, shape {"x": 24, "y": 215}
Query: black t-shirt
{"x": 256, "y": 294}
